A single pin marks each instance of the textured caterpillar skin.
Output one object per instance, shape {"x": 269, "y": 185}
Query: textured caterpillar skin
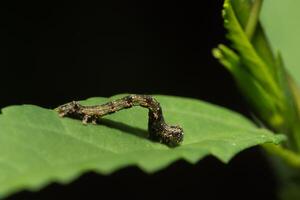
{"x": 157, "y": 127}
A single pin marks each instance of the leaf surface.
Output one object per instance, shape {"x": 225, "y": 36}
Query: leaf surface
{"x": 38, "y": 147}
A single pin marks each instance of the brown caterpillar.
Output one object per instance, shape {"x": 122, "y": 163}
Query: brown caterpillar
{"x": 157, "y": 127}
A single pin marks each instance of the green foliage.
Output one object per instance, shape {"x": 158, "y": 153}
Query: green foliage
{"x": 281, "y": 22}
{"x": 38, "y": 147}
{"x": 263, "y": 78}
{"x": 259, "y": 74}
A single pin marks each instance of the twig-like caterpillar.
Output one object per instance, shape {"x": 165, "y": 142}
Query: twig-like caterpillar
{"x": 157, "y": 127}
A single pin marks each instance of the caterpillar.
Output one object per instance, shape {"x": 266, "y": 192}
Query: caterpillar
{"x": 159, "y": 130}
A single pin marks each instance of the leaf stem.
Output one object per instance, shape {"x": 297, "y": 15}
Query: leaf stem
{"x": 290, "y": 157}
{"x": 253, "y": 18}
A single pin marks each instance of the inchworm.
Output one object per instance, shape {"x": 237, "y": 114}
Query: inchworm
{"x": 157, "y": 127}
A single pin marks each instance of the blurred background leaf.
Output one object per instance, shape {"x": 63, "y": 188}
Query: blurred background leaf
{"x": 281, "y": 23}
{"x": 264, "y": 73}
{"x": 260, "y": 75}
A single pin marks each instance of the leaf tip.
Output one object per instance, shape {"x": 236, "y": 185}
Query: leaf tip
{"x": 216, "y": 52}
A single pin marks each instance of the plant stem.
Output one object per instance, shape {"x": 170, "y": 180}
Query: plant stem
{"x": 253, "y": 18}
{"x": 287, "y": 155}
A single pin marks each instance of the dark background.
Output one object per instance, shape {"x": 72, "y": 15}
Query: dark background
{"x": 54, "y": 53}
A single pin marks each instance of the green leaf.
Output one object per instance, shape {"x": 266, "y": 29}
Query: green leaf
{"x": 38, "y": 147}
{"x": 260, "y": 76}
{"x": 253, "y": 75}
{"x": 250, "y": 58}
{"x": 259, "y": 39}
{"x": 281, "y": 22}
